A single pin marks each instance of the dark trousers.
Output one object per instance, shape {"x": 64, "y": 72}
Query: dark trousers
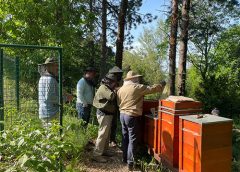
{"x": 114, "y": 127}
{"x": 130, "y": 134}
{"x": 84, "y": 112}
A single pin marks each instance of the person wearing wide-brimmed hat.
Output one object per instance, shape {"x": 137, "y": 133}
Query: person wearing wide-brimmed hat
{"x": 48, "y": 90}
{"x": 130, "y": 101}
{"x": 105, "y": 102}
{"x": 85, "y": 94}
{"x": 118, "y": 73}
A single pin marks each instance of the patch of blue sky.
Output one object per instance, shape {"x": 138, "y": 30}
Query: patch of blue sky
{"x": 156, "y": 8}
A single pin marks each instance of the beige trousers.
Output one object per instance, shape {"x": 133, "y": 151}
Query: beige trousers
{"x": 102, "y": 143}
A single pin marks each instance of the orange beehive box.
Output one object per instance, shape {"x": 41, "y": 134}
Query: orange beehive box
{"x": 148, "y": 104}
{"x": 168, "y": 128}
{"x": 150, "y": 133}
{"x": 205, "y": 144}
{"x": 149, "y": 123}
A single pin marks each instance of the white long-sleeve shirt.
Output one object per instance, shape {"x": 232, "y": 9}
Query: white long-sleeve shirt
{"x": 85, "y": 92}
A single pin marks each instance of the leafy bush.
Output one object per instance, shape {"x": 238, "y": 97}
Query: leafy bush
{"x": 236, "y": 150}
{"x": 27, "y": 146}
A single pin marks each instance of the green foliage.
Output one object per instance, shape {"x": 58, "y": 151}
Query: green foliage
{"x": 53, "y": 23}
{"x": 214, "y": 80}
{"x": 236, "y": 150}
{"x": 149, "y": 59}
{"x": 26, "y": 145}
{"x": 32, "y": 148}
{"x": 217, "y": 84}
{"x": 209, "y": 20}
{"x": 149, "y": 164}
{"x": 133, "y": 18}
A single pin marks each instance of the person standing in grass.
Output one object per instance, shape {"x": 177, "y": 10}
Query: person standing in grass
{"x": 130, "y": 100}
{"x": 48, "y": 95}
{"x": 118, "y": 73}
{"x": 105, "y": 102}
{"x": 85, "y": 94}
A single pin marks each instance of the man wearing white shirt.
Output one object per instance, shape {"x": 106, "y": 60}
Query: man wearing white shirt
{"x": 48, "y": 95}
{"x": 85, "y": 94}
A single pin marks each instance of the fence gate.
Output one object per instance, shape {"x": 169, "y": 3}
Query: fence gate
{"x": 19, "y": 81}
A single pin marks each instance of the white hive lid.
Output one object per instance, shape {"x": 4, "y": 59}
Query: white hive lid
{"x": 206, "y": 119}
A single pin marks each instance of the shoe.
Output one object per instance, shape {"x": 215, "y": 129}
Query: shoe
{"x": 124, "y": 161}
{"x": 99, "y": 159}
{"x": 113, "y": 144}
{"x": 108, "y": 154}
{"x": 130, "y": 167}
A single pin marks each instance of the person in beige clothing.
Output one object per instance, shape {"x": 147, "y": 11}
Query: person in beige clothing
{"x": 130, "y": 100}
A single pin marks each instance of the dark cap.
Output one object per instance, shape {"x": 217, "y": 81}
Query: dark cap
{"x": 115, "y": 69}
{"x": 111, "y": 76}
{"x": 90, "y": 69}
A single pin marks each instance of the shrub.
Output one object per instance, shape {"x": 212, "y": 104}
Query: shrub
{"x": 27, "y": 146}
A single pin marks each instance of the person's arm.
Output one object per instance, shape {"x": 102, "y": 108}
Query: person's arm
{"x": 156, "y": 88}
{"x": 80, "y": 91}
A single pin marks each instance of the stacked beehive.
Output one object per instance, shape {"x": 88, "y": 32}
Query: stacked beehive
{"x": 150, "y": 123}
{"x": 168, "y": 126}
{"x": 185, "y": 142}
{"x": 205, "y": 144}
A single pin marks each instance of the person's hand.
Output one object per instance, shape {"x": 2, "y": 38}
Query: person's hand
{"x": 163, "y": 83}
{"x": 69, "y": 97}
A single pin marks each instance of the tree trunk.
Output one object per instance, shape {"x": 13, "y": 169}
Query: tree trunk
{"x": 91, "y": 42}
{"x": 120, "y": 34}
{"x": 104, "y": 38}
{"x": 183, "y": 48}
{"x": 60, "y": 23}
{"x": 172, "y": 49}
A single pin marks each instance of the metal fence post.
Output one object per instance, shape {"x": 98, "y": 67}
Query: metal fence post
{"x": 60, "y": 90}
{"x": 60, "y": 103}
{"x": 17, "y": 82}
{"x": 1, "y": 92}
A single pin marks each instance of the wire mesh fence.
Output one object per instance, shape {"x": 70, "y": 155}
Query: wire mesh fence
{"x": 28, "y": 87}
{"x": 9, "y": 88}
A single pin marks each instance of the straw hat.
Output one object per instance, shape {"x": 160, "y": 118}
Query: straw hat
{"x": 131, "y": 75}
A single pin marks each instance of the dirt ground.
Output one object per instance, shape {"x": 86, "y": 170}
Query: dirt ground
{"x": 114, "y": 163}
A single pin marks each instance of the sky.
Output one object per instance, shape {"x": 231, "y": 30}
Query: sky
{"x": 156, "y": 8}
